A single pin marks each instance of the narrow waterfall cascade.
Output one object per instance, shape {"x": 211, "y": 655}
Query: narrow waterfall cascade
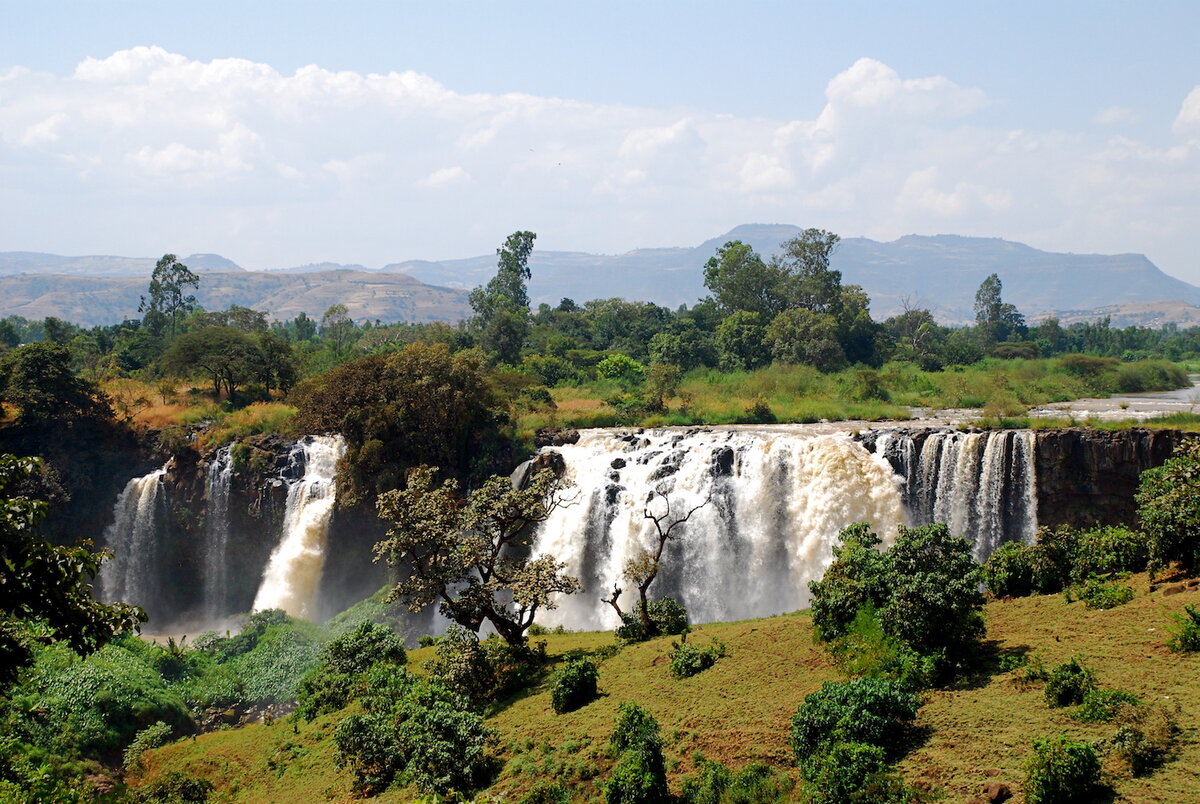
{"x": 983, "y": 485}
{"x": 293, "y": 574}
{"x": 131, "y": 575}
{"x": 217, "y": 487}
{"x": 773, "y": 504}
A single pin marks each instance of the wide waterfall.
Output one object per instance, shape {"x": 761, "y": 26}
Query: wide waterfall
{"x": 293, "y": 574}
{"x": 132, "y": 574}
{"x": 773, "y": 502}
{"x": 983, "y": 485}
{"x": 217, "y": 487}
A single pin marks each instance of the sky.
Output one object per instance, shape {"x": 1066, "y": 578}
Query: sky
{"x": 279, "y": 134}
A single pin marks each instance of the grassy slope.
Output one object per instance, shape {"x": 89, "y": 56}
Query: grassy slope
{"x": 740, "y": 710}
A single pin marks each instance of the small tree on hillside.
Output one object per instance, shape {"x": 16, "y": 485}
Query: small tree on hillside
{"x": 1169, "y": 508}
{"x": 168, "y": 298}
{"x": 643, "y": 568}
{"x": 502, "y": 305}
{"x": 469, "y": 555}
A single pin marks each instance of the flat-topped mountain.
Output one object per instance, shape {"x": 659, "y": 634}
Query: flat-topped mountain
{"x": 940, "y": 272}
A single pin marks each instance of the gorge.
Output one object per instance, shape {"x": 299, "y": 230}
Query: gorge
{"x": 198, "y": 546}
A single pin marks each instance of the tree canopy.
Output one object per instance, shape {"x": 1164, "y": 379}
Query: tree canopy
{"x": 168, "y": 297}
{"x": 46, "y": 591}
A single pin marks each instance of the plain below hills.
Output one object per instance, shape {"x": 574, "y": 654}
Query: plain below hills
{"x": 940, "y": 272}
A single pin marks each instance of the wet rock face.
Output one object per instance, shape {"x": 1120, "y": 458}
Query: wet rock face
{"x": 554, "y": 437}
{"x": 1088, "y": 477}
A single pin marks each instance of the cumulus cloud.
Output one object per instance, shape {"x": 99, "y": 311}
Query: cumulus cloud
{"x": 150, "y": 150}
{"x": 1115, "y": 115}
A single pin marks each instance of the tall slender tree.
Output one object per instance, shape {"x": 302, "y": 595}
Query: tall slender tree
{"x": 167, "y": 295}
{"x": 502, "y": 305}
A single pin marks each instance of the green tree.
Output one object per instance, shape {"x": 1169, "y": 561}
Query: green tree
{"x": 468, "y": 555}
{"x": 801, "y": 336}
{"x": 337, "y": 328}
{"x": 502, "y": 305}
{"x": 416, "y": 405}
{"x": 811, "y": 284}
{"x": 228, "y": 356}
{"x": 46, "y": 591}
{"x": 741, "y": 342}
{"x": 995, "y": 319}
{"x": 1169, "y": 508}
{"x": 168, "y": 296}
{"x": 859, "y": 577}
{"x": 741, "y": 281}
{"x": 42, "y": 384}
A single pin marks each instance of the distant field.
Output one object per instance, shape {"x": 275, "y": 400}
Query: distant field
{"x": 740, "y": 710}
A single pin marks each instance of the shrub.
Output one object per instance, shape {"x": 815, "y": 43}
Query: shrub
{"x": 175, "y": 787}
{"x": 667, "y": 616}
{"x": 1169, "y": 508}
{"x": 865, "y": 710}
{"x": 688, "y": 660}
{"x": 1108, "y": 550}
{"x": 1009, "y": 570}
{"x": 331, "y": 685}
{"x": 857, "y": 577}
{"x": 547, "y": 793}
{"x": 640, "y": 775}
{"x": 1147, "y": 737}
{"x": 413, "y": 729}
{"x": 1069, "y": 683}
{"x": 1052, "y": 558}
{"x": 574, "y": 685}
{"x": 1101, "y": 706}
{"x": 1061, "y": 771}
{"x": 1185, "y": 636}
{"x": 149, "y": 737}
{"x": 867, "y": 651}
{"x": 843, "y": 772}
{"x": 483, "y": 671}
{"x": 1097, "y": 593}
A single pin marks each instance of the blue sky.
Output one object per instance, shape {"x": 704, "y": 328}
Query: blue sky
{"x": 602, "y": 126}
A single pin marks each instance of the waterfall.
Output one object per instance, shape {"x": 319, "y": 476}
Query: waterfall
{"x": 131, "y": 575}
{"x": 293, "y": 573}
{"x": 772, "y": 506}
{"x": 983, "y": 485}
{"x": 218, "y": 481}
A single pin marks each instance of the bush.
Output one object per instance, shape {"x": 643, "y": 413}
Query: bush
{"x": 175, "y": 787}
{"x": 1052, "y": 558}
{"x": 1147, "y": 737}
{"x": 714, "y": 783}
{"x": 574, "y": 685}
{"x": 688, "y": 660}
{"x": 1069, "y": 683}
{"x": 1009, "y": 571}
{"x": 416, "y": 730}
{"x": 1101, "y": 706}
{"x": 1169, "y": 508}
{"x": 547, "y": 793}
{"x": 1061, "y": 771}
{"x": 1185, "y": 636}
{"x": 857, "y": 577}
{"x": 146, "y": 739}
{"x": 867, "y": 651}
{"x": 667, "y": 616}
{"x": 484, "y": 671}
{"x": 1097, "y": 593}
{"x": 844, "y": 773}
{"x": 1108, "y": 550}
{"x": 640, "y": 775}
{"x": 344, "y": 660}
{"x": 865, "y": 710}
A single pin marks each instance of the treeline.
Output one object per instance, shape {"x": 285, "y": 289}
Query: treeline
{"x": 791, "y": 308}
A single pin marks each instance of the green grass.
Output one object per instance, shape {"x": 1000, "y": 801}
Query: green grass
{"x": 739, "y": 710}
{"x": 1003, "y": 389}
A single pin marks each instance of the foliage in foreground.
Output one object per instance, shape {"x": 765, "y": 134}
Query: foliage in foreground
{"x": 686, "y": 660}
{"x": 1185, "y": 636}
{"x": 1062, "y": 771}
{"x": 640, "y": 775}
{"x": 1169, "y": 508}
{"x": 714, "y": 783}
{"x": 574, "y": 685}
{"x": 345, "y": 663}
{"x": 924, "y": 591}
{"x": 1066, "y": 558}
{"x": 414, "y": 731}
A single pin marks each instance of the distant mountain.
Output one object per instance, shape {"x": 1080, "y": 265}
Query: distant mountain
{"x": 940, "y": 273}
{"x": 32, "y": 262}
{"x": 91, "y": 300}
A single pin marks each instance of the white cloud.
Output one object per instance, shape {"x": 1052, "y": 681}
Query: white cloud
{"x": 1115, "y": 115}
{"x": 277, "y": 169}
{"x": 446, "y": 177}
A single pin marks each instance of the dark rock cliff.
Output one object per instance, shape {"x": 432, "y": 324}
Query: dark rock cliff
{"x": 1087, "y": 477}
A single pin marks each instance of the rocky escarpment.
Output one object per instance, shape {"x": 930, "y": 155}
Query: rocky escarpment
{"x": 1088, "y": 477}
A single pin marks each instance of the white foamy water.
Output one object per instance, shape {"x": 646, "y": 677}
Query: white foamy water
{"x": 132, "y": 575}
{"x": 776, "y": 502}
{"x": 293, "y": 574}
